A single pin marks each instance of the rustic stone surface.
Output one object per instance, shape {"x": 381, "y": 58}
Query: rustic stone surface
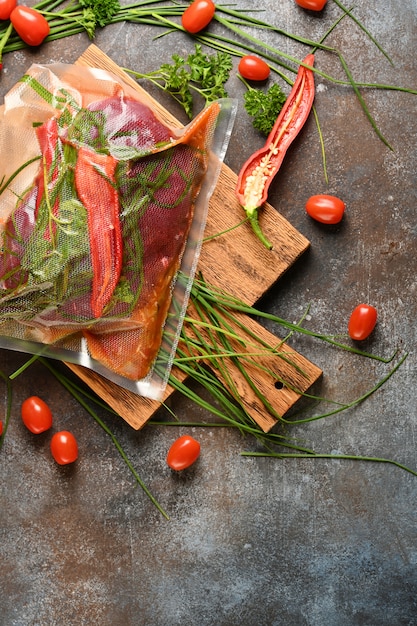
{"x": 250, "y": 540}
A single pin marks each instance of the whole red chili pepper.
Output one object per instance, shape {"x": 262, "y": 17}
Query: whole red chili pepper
{"x": 259, "y": 170}
{"x": 95, "y": 185}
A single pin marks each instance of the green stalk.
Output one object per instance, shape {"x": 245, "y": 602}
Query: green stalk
{"x": 24, "y": 367}
{"x": 226, "y": 231}
{"x": 277, "y": 439}
{"x": 252, "y": 21}
{"x": 362, "y": 102}
{"x": 8, "y": 406}
{"x": 353, "y": 84}
{"x": 75, "y": 393}
{"x": 235, "y": 357}
{"x": 316, "y": 455}
{"x": 3, "y": 41}
{"x": 217, "y": 296}
{"x": 4, "y": 185}
{"x": 365, "y": 30}
{"x": 359, "y": 400}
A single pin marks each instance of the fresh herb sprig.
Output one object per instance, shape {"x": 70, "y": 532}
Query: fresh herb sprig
{"x": 103, "y": 11}
{"x": 264, "y": 106}
{"x": 198, "y": 73}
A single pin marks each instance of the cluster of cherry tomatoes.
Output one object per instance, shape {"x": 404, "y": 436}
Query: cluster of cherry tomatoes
{"x": 37, "y": 417}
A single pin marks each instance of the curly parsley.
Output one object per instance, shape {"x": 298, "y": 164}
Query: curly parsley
{"x": 264, "y": 107}
{"x": 103, "y": 11}
{"x": 199, "y": 73}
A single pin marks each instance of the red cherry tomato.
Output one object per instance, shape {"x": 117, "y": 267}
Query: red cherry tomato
{"x": 30, "y": 25}
{"x": 311, "y": 5}
{"x": 198, "y": 15}
{"x": 64, "y": 447}
{"x": 36, "y": 415}
{"x": 184, "y": 452}
{"x": 252, "y": 67}
{"x": 325, "y": 209}
{"x": 6, "y": 7}
{"x": 362, "y": 321}
{"x": 1, "y": 428}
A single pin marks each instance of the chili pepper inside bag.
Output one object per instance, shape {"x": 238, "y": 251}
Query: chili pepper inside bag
{"x": 102, "y": 209}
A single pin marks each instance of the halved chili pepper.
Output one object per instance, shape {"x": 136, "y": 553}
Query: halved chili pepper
{"x": 95, "y": 185}
{"x": 259, "y": 170}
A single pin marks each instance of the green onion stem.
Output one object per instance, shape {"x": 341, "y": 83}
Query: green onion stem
{"x": 219, "y": 297}
{"x": 365, "y": 30}
{"x": 75, "y": 393}
{"x": 8, "y": 406}
{"x": 316, "y": 455}
{"x": 359, "y": 400}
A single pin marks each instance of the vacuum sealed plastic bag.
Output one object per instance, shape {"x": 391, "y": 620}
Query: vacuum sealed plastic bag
{"x": 102, "y": 211}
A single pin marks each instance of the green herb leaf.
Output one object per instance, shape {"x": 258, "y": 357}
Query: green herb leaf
{"x": 103, "y": 11}
{"x": 88, "y": 21}
{"x": 211, "y": 72}
{"x": 264, "y": 107}
{"x": 199, "y": 73}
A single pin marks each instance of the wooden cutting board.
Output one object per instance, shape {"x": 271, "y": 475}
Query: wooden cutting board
{"x": 240, "y": 265}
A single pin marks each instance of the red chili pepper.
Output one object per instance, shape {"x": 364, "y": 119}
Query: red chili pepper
{"x": 95, "y": 185}
{"x": 259, "y": 170}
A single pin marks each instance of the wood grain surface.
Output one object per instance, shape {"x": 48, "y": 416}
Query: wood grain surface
{"x": 238, "y": 264}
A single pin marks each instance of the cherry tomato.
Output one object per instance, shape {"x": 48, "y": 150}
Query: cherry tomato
{"x": 64, "y": 447}
{"x": 6, "y": 7}
{"x": 252, "y": 67}
{"x": 1, "y": 428}
{"x": 36, "y": 415}
{"x": 184, "y": 452}
{"x": 362, "y": 321}
{"x": 30, "y": 25}
{"x": 312, "y": 5}
{"x": 198, "y": 15}
{"x": 325, "y": 209}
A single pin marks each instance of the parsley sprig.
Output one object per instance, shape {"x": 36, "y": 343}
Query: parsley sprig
{"x": 264, "y": 107}
{"x": 199, "y": 73}
{"x": 103, "y": 11}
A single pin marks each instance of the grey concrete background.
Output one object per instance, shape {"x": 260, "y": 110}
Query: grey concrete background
{"x": 250, "y": 540}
